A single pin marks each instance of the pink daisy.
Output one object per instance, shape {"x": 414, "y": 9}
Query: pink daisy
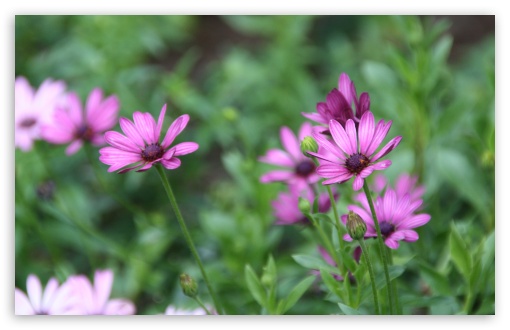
{"x": 94, "y": 298}
{"x": 141, "y": 147}
{"x": 54, "y": 300}
{"x": 395, "y": 214}
{"x": 33, "y": 108}
{"x": 286, "y": 205}
{"x": 406, "y": 184}
{"x": 171, "y": 310}
{"x": 71, "y": 125}
{"x": 338, "y": 105}
{"x": 298, "y": 169}
{"x": 353, "y": 150}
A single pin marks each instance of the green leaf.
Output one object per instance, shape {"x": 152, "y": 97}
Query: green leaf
{"x": 257, "y": 290}
{"x": 437, "y": 281}
{"x": 348, "y": 310}
{"x": 297, "y": 292}
{"x": 380, "y": 281}
{"x": 269, "y": 276}
{"x": 314, "y": 263}
{"x": 460, "y": 254}
{"x": 331, "y": 283}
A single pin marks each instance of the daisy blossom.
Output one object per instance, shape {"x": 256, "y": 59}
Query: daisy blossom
{"x": 353, "y": 150}
{"x": 141, "y": 144}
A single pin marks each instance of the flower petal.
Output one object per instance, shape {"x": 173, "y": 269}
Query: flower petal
{"x": 157, "y": 132}
{"x": 145, "y": 126}
{"x": 414, "y": 221}
{"x": 315, "y": 117}
{"x": 171, "y": 164}
{"x": 290, "y": 143}
{"x": 276, "y": 176}
{"x": 366, "y": 132}
{"x": 341, "y": 138}
{"x": 357, "y": 184}
{"x": 380, "y": 132}
{"x": 324, "y": 143}
{"x": 387, "y": 148}
{"x": 121, "y": 142}
{"x": 119, "y": 307}
{"x": 333, "y": 170}
{"x": 103, "y": 281}
{"x": 22, "y": 305}
{"x": 185, "y": 148}
{"x": 175, "y": 129}
{"x": 74, "y": 147}
{"x": 350, "y": 129}
{"x": 131, "y": 132}
{"x": 34, "y": 290}
{"x": 277, "y": 157}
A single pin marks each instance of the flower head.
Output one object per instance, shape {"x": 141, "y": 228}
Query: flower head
{"x": 298, "y": 169}
{"x": 396, "y": 215}
{"x": 339, "y": 104}
{"x": 94, "y": 298}
{"x": 54, "y": 300}
{"x": 286, "y": 205}
{"x": 353, "y": 150}
{"x": 34, "y": 108}
{"x": 71, "y": 125}
{"x": 141, "y": 145}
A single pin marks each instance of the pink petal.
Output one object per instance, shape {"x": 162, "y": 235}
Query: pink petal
{"x": 103, "y": 281}
{"x": 366, "y": 132}
{"x": 74, "y": 147}
{"x": 131, "y": 132}
{"x": 340, "y": 136}
{"x": 410, "y": 235}
{"x": 74, "y": 109}
{"x": 34, "y": 291}
{"x": 171, "y": 164}
{"x": 93, "y": 103}
{"x": 276, "y": 176}
{"x": 157, "y": 132}
{"x": 350, "y": 129}
{"x": 347, "y": 238}
{"x": 387, "y": 148}
{"x": 366, "y": 171}
{"x": 324, "y": 157}
{"x": 357, "y": 184}
{"x": 145, "y": 126}
{"x": 185, "y": 148}
{"x": 121, "y": 142}
{"x": 290, "y": 143}
{"x": 389, "y": 204}
{"x": 391, "y": 243}
{"x": 175, "y": 129}
{"x": 338, "y": 179}
{"x": 324, "y": 143}
{"x": 49, "y": 294}
{"x": 315, "y": 117}
{"x": 326, "y": 256}
{"x": 381, "y": 165}
{"x": 415, "y": 221}
{"x": 333, "y": 170}
{"x": 345, "y": 86}
{"x": 119, "y": 307}
{"x": 22, "y": 305}
{"x": 168, "y": 154}
{"x": 146, "y": 166}
{"x": 380, "y": 132}
{"x": 277, "y": 157}
{"x": 304, "y": 131}
{"x": 105, "y": 116}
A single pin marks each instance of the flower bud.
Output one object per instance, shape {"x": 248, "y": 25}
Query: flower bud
{"x": 309, "y": 144}
{"x": 188, "y": 285}
{"x": 356, "y": 227}
{"x": 304, "y": 205}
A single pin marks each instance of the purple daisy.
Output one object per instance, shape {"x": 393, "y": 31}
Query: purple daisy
{"x": 286, "y": 205}
{"x": 71, "y": 125}
{"x": 350, "y": 157}
{"x": 395, "y": 214}
{"x": 95, "y": 298}
{"x": 141, "y": 147}
{"x": 406, "y": 184}
{"x": 338, "y": 105}
{"x": 299, "y": 169}
{"x": 53, "y": 300}
{"x": 33, "y": 108}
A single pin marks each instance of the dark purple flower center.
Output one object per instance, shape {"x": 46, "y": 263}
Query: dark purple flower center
{"x": 356, "y": 163}
{"x": 84, "y": 133}
{"x": 152, "y": 152}
{"x": 386, "y": 228}
{"x": 305, "y": 168}
{"x": 27, "y": 122}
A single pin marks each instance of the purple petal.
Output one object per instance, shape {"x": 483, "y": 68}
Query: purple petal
{"x": 105, "y": 116}
{"x": 384, "y": 164}
{"x": 363, "y": 106}
{"x": 357, "y": 184}
{"x": 121, "y": 142}
{"x": 103, "y": 281}
{"x": 290, "y": 143}
{"x": 22, "y": 305}
{"x": 305, "y": 130}
{"x": 414, "y": 221}
{"x": 146, "y": 166}
{"x": 175, "y": 129}
{"x": 324, "y": 157}
{"x": 157, "y": 132}
{"x": 324, "y": 143}
{"x": 74, "y": 147}
{"x": 131, "y": 132}
{"x": 276, "y": 176}
{"x": 74, "y": 109}
{"x": 350, "y": 129}
{"x": 326, "y": 256}
{"x": 277, "y": 157}
{"x": 145, "y": 126}
{"x": 315, "y": 117}
{"x": 338, "y": 179}
{"x": 366, "y": 171}
{"x": 185, "y": 148}
{"x": 366, "y": 132}
{"x": 389, "y": 204}
{"x": 380, "y": 132}
{"x": 171, "y": 164}
{"x": 410, "y": 235}
{"x": 341, "y": 138}
{"x": 387, "y": 148}
{"x": 345, "y": 86}
{"x": 333, "y": 170}
{"x": 391, "y": 243}
{"x": 34, "y": 290}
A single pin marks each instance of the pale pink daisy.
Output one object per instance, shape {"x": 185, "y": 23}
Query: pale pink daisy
{"x": 286, "y": 205}
{"x": 141, "y": 145}
{"x": 53, "y": 300}
{"x": 297, "y": 168}
{"x": 396, "y": 214}
{"x": 353, "y": 150}
{"x": 172, "y": 310}
{"x": 339, "y": 104}
{"x": 33, "y": 108}
{"x": 95, "y": 298}
{"x": 74, "y": 126}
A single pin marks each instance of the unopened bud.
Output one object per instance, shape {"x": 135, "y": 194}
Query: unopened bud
{"x": 188, "y": 285}
{"x": 309, "y": 144}
{"x": 304, "y": 205}
{"x": 356, "y": 227}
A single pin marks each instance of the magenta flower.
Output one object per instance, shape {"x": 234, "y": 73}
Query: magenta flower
{"x": 34, "y": 108}
{"x": 338, "y": 105}
{"x": 94, "y": 298}
{"x": 71, "y": 125}
{"x": 54, "y": 300}
{"x": 350, "y": 157}
{"x": 298, "y": 169}
{"x": 286, "y": 206}
{"x": 395, "y": 213}
{"x": 141, "y": 147}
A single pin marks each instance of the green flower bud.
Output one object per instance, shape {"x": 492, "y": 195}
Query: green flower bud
{"x": 356, "y": 227}
{"x": 309, "y": 144}
{"x": 304, "y": 205}
{"x": 188, "y": 285}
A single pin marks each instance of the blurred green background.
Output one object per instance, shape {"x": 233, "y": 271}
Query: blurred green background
{"x": 241, "y": 78}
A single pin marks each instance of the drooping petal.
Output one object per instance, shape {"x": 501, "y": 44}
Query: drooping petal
{"x": 357, "y": 184}
{"x": 410, "y": 235}
{"x": 175, "y": 129}
{"x": 171, "y": 164}
{"x": 391, "y": 243}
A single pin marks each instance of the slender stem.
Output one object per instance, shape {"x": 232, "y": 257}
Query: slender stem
{"x": 394, "y": 285}
{"x": 202, "y": 305}
{"x": 371, "y": 272}
{"x": 187, "y": 236}
{"x": 381, "y": 245}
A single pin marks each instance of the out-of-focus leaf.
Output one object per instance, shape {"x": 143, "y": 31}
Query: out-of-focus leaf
{"x": 348, "y": 310}
{"x": 437, "y": 281}
{"x": 257, "y": 290}
{"x": 297, "y": 292}
{"x": 314, "y": 263}
{"x": 460, "y": 253}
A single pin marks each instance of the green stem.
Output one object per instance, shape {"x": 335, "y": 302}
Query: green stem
{"x": 202, "y": 305}
{"x": 394, "y": 285}
{"x": 187, "y": 236}
{"x": 381, "y": 245}
{"x": 371, "y": 272}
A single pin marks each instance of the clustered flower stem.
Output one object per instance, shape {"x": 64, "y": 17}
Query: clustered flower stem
{"x": 372, "y": 276}
{"x": 187, "y": 236}
{"x": 381, "y": 246}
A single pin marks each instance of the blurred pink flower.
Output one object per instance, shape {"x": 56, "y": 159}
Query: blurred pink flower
{"x": 171, "y": 310}
{"x": 353, "y": 150}
{"x": 54, "y": 300}
{"x": 339, "y": 104}
{"x": 141, "y": 147}
{"x": 94, "y": 298}
{"x": 327, "y": 257}
{"x": 396, "y": 213}
{"x": 71, "y": 125}
{"x": 286, "y": 205}
{"x": 33, "y": 108}
{"x": 406, "y": 184}
{"x": 298, "y": 169}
